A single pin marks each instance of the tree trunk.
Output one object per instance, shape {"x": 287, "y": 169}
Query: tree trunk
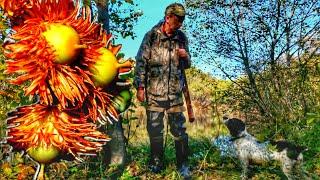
{"x": 115, "y": 149}
{"x": 103, "y": 14}
{"x": 243, "y": 50}
{"x": 257, "y": 98}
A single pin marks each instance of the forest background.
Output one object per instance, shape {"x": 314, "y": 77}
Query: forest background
{"x": 267, "y": 56}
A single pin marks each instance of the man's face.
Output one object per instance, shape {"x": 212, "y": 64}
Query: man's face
{"x": 174, "y": 22}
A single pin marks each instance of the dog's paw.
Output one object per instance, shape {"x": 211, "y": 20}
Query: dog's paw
{"x": 244, "y": 176}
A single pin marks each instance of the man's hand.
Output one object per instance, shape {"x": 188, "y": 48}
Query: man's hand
{"x": 140, "y": 94}
{"x": 182, "y": 53}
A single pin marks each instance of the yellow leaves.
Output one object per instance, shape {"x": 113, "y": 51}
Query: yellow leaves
{"x": 24, "y": 171}
{"x": 134, "y": 169}
{"x": 3, "y": 25}
{"x": 18, "y": 171}
{"x": 6, "y": 169}
{"x": 58, "y": 169}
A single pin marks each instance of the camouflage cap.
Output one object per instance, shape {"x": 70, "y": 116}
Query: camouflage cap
{"x": 176, "y": 9}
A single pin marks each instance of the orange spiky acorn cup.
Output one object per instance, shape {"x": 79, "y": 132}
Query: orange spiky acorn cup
{"x": 46, "y": 52}
{"x": 105, "y": 71}
{"x": 106, "y": 67}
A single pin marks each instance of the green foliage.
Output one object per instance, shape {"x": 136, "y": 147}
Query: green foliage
{"x": 11, "y": 96}
{"x": 208, "y": 94}
{"x": 311, "y": 131}
{"x": 204, "y": 159}
{"x": 118, "y": 17}
{"x": 3, "y": 27}
{"x": 286, "y": 103}
{"x": 272, "y": 47}
{"x": 203, "y": 84}
{"x": 18, "y": 168}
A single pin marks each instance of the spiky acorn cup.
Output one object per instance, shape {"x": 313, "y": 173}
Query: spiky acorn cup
{"x": 106, "y": 67}
{"x": 45, "y": 131}
{"x": 46, "y": 53}
{"x": 104, "y": 71}
{"x": 56, "y": 72}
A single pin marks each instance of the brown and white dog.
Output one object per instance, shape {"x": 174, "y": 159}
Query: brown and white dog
{"x": 248, "y": 149}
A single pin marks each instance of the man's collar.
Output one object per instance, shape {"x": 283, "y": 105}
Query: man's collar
{"x": 163, "y": 36}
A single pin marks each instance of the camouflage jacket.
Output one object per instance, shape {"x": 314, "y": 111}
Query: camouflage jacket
{"x": 158, "y": 67}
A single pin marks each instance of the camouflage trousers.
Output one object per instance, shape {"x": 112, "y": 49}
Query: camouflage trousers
{"x": 155, "y": 128}
{"x": 155, "y": 125}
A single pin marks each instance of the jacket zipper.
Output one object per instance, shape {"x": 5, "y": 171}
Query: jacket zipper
{"x": 170, "y": 51}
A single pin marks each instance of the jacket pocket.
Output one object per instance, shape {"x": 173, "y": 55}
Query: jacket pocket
{"x": 176, "y": 84}
{"x": 155, "y": 71}
{"x": 157, "y": 87}
{"x": 157, "y": 82}
{"x": 155, "y": 59}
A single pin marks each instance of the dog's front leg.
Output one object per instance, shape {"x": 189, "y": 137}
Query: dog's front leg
{"x": 244, "y": 166}
{"x": 287, "y": 169}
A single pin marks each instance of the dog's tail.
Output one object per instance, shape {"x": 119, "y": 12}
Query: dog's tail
{"x": 293, "y": 151}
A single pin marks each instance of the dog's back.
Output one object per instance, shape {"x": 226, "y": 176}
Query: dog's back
{"x": 293, "y": 151}
{"x": 249, "y": 148}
